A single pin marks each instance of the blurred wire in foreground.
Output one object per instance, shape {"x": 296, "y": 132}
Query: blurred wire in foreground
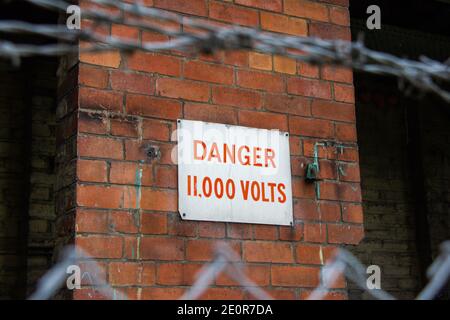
{"x": 226, "y": 261}
{"x": 198, "y": 35}
{"x": 56, "y": 277}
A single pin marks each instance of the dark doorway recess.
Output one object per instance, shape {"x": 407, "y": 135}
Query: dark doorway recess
{"x": 404, "y": 143}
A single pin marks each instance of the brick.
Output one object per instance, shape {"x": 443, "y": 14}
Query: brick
{"x": 92, "y": 221}
{"x": 315, "y": 232}
{"x": 349, "y": 172}
{"x": 183, "y": 89}
{"x": 346, "y": 132}
{"x": 291, "y": 233}
{"x": 284, "y": 65}
{"x": 100, "y": 99}
{"x": 306, "y": 9}
{"x": 352, "y": 213}
{"x": 107, "y": 59}
{"x": 195, "y": 7}
{"x": 261, "y": 81}
{"x": 236, "y": 97}
{"x": 124, "y": 273}
{"x": 91, "y": 170}
{"x": 340, "y": 191}
{"x": 91, "y": 123}
{"x": 153, "y": 107}
{"x": 329, "y": 31}
{"x": 161, "y": 249}
{"x": 348, "y": 154}
{"x": 305, "y": 209}
{"x": 259, "y": 274}
{"x": 148, "y": 36}
{"x": 330, "y": 252}
{"x": 311, "y": 127}
{"x": 328, "y": 170}
{"x": 233, "y": 14}
{"x": 308, "y": 254}
{"x": 98, "y": 271}
{"x": 159, "y": 200}
{"x": 153, "y": 62}
{"x": 154, "y": 223}
{"x": 155, "y": 130}
{"x": 166, "y": 177}
{"x": 211, "y": 229}
{"x": 132, "y": 82}
{"x": 323, "y": 152}
{"x": 348, "y": 234}
{"x": 260, "y": 61}
{"x": 273, "y": 5}
{"x": 239, "y": 231}
{"x": 264, "y": 120}
{"x": 298, "y": 166}
{"x": 344, "y": 93}
{"x": 330, "y": 211}
{"x": 207, "y": 72}
{"x": 177, "y": 273}
{"x": 332, "y": 110}
{"x": 204, "y": 250}
{"x": 123, "y": 221}
{"x": 282, "y": 294}
{"x": 93, "y": 77}
{"x": 209, "y": 113}
{"x": 288, "y": 104}
{"x": 340, "y": 16}
{"x": 309, "y": 88}
{"x": 108, "y": 247}
{"x": 308, "y": 70}
{"x": 124, "y": 128}
{"x": 182, "y": 228}
{"x": 125, "y": 32}
{"x": 213, "y": 57}
{"x": 263, "y": 232}
{"x": 284, "y": 24}
{"x": 123, "y": 172}
{"x": 294, "y": 276}
{"x": 273, "y": 252}
{"x": 301, "y": 189}
{"x": 99, "y": 196}
{"x": 236, "y": 58}
{"x": 100, "y": 147}
{"x": 295, "y": 146}
{"x": 131, "y": 199}
{"x": 338, "y": 74}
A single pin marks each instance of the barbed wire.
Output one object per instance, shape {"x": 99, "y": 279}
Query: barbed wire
{"x": 343, "y": 263}
{"x": 199, "y": 35}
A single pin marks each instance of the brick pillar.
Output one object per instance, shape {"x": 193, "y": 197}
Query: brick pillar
{"x": 126, "y": 102}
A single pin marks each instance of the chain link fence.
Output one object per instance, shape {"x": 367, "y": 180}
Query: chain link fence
{"x": 226, "y": 261}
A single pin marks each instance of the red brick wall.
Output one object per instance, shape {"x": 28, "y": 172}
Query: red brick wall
{"x": 125, "y": 102}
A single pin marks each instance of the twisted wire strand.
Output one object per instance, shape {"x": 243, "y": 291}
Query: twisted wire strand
{"x": 199, "y": 35}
